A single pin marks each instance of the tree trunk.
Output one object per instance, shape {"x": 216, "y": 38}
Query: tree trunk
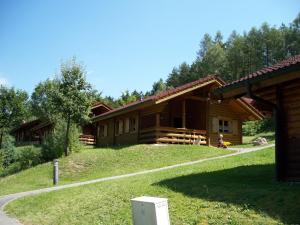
{"x": 67, "y": 136}
{"x": 1, "y": 137}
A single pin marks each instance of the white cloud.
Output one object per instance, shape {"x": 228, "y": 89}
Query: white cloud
{"x": 3, "y": 81}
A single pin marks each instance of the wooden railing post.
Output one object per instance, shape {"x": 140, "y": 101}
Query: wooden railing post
{"x": 183, "y": 114}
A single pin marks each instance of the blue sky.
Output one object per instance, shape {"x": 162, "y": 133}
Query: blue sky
{"x": 123, "y": 44}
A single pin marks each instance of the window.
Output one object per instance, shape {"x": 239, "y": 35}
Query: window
{"x": 224, "y": 126}
{"x": 133, "y": 124}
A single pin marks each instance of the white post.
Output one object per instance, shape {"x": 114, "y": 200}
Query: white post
{"x": 55, "y": 171}
{"x": 150, "y": 211}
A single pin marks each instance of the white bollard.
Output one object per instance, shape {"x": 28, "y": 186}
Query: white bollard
{"x": 55, "y": 171}
{"x": 150, "y": 211}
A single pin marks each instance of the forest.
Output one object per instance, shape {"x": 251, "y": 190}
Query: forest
{"x": 231, "y": 59}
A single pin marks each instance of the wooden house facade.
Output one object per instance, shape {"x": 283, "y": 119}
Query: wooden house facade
{"x": 276, "y": 89}
{"x": 34, "y": 132}
{"x": 185, "y": 115}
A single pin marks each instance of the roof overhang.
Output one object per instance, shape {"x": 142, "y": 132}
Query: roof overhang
{"x": 239, "y": 89}
{"x": 153, "y": 101}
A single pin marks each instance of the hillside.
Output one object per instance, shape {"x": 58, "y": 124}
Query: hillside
{"x": 93, "y": 163}
{"x": 236, "y": 190}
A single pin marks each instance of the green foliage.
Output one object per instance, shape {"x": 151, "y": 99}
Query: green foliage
{"x": 24, "y": 158}
{"x": 53, "y": 145}
{"x": 126, "y": 98}
{"x": 28, "y": 156}
{"x": 73, "y": 98}
{"x": 239, "y": 54}
{"x": 8, "y": 151}
{"x": 251, "y": 128}
{"x": 13, "y": 106}
{"x": 42, "y": 99}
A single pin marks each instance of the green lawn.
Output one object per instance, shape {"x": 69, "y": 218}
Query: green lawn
{"x": 247, "y": 140}
{"x": 102, "y": 162}
{"x": 236, "y": 190}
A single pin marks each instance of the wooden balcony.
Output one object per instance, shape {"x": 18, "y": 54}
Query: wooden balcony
{"x": 170, "y": 135}
{"x": 87, "y": 139}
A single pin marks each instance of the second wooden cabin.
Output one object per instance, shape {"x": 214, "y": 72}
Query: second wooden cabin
{"x": 185, "y": 115}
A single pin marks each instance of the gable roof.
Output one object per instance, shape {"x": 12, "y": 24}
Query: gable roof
{"x": 289, "y": 65}
{"x": 164, "y": 96}
{"x": 160, "y": 97}
{"x": 101, "y": 104}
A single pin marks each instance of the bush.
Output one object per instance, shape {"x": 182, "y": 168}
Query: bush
{"x": 28, "y": 157}
{"x": 11, "y": 169}
{"x": 251, "y": 128}
{"x": 8, "y": 151}
{"x": 53, "y": 145}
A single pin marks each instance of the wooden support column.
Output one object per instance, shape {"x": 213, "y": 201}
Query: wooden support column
{"x": 207, "y": 122}
{"x": 183, "y": 114}
{"x": 279, "y": 137}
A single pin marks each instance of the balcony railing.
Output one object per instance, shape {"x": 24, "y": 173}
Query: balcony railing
{"x": 87, "y": 139}
{"x": 170, "y": 135}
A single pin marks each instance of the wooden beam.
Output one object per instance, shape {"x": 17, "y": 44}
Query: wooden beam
{"x": 197, "y": 98}
{"x": 280, "y": 161}
{"x": 187, "y": 90}
{"x": 183, "y": 114}
{"x": 207, "y": 121}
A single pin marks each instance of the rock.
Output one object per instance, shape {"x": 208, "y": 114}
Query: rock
{"x": 260, "y": 141}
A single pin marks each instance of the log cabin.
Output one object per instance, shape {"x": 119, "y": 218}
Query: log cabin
{"x": 276, "y": 89}
{"x": 35, "y": 131}
{"x": 184, "y": 115}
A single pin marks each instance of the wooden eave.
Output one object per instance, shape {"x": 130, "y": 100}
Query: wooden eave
{"x": 262, "y": 81}
{"x": 128, "y": 109}
{"x": 257, "y": 114}
{"x": 153, "y": 101}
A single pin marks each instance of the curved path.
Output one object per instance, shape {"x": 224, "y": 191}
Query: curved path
{"x": 6, "y": 220}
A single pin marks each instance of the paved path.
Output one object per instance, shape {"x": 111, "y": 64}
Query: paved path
{"x": 6, "y": 220}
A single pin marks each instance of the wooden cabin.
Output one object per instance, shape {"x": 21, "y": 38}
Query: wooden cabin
{"x": 184, "y": 115}
{"x": 276, "y": 89}
{"x": 24, "y": 134}
{"x": 34, "y": 132}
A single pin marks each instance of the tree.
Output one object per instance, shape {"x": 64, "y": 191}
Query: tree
{"x": 205, "y": 44}
{"x": 42, "y": 99}
{"x": 158, "y": 86}
{"x": 13, "y": 105}
{"x": 73, "y": 98}
{"x": 126, "y": 98}
{"x": 215, "y": 61}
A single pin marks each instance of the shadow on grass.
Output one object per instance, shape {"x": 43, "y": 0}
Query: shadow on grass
{"x": 252, "y": 187}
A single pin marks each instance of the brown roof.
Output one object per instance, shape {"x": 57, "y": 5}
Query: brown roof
{"x": 100, "y": 104}
{"x": 27, "y": 125}
{"x": 277, "y": 68}
{"x": 164, "y": 94}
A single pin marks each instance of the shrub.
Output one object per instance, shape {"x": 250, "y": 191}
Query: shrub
{"x": 53, "y": 145}
{"x": 251, "y": 128}
{"x": 8, "y": 151}
{"x": 28, "y": 157}
{"x": 11, "y": 169}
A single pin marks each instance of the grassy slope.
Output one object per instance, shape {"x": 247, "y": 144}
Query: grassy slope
{"x": 236, "y": 190}
{"x": 247, "y": 140}
{"x": 100, "y": 162}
